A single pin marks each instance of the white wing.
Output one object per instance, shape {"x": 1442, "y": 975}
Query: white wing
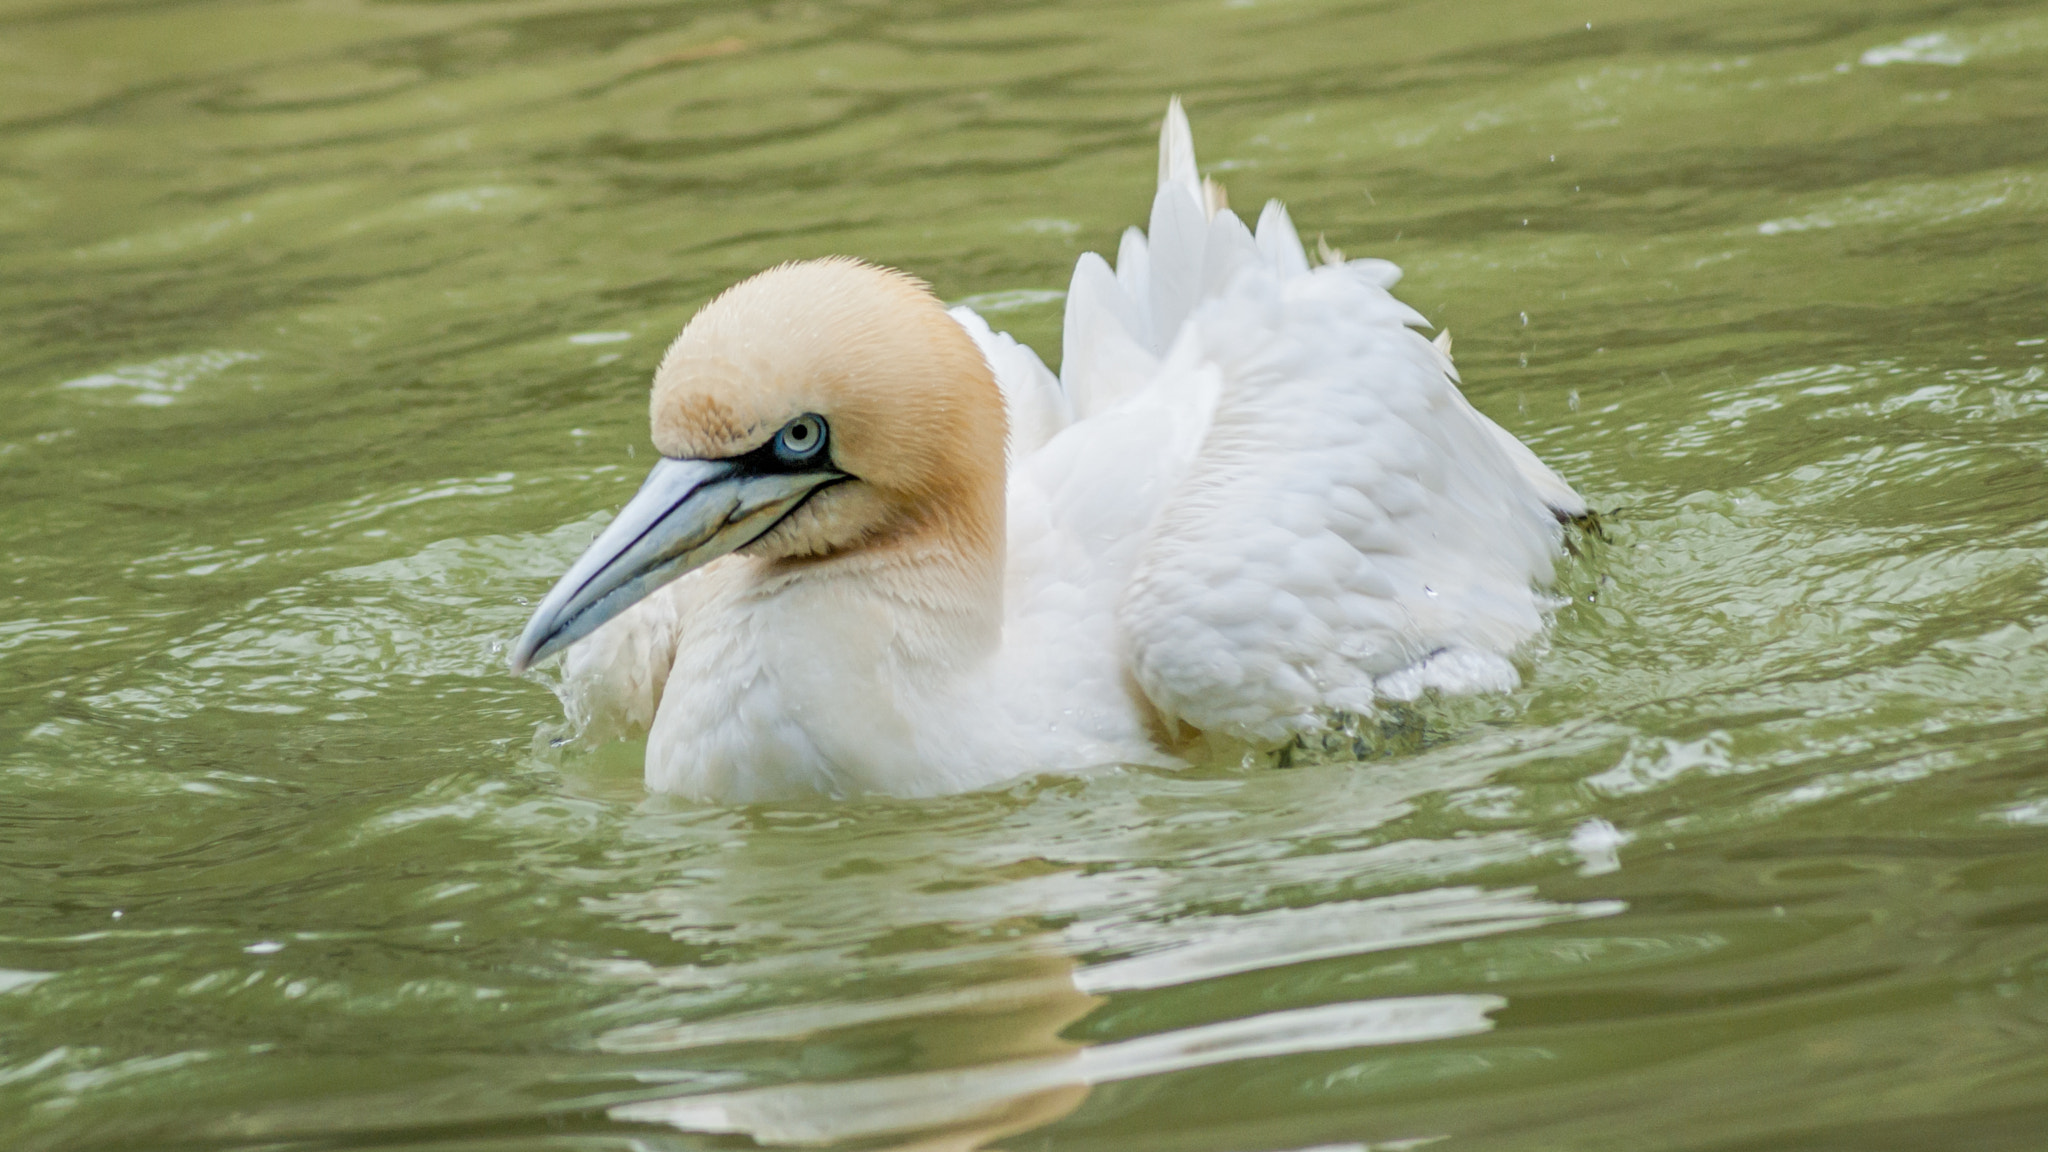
{"x": 1302, "y": 510}
{"x": 1037, "y": 405}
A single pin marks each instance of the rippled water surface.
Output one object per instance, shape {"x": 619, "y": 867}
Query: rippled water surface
{"x": 325, "y": 329}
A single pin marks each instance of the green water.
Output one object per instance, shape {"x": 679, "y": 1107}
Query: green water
{"x": 325, "y": 329}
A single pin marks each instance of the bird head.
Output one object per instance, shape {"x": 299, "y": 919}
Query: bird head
{"x": 818, "y": 410}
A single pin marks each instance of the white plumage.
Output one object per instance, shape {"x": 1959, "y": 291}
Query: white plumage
{"x": 1254, "y": 495}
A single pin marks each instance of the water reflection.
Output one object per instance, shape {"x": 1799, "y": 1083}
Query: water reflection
{"x": 1001, "y": 1055}
{"x": 1015, "y": 1071}
{"x": 969, "y": 1107}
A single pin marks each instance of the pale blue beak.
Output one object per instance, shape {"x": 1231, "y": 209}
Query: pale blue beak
{"x": 687, "y": 514}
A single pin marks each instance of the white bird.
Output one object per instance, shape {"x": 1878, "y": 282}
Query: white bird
{"x": 1254, "y": 495}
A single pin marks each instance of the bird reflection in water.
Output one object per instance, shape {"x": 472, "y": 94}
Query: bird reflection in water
{"x": 986, "y": 1025}
{"x": 1006, "y": 1065}
{"x": 1001, "y": 1067}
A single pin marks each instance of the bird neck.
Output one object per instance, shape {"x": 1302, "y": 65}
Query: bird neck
{"x": 935, "y": 583}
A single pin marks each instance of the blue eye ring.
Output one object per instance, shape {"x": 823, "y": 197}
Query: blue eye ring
{"x": 802, "y": 440}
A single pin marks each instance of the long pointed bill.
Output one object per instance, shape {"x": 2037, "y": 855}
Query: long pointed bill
{"x": 687, "y": 514}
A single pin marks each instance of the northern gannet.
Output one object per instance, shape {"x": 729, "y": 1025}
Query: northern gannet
{"x": 887, "y": 551}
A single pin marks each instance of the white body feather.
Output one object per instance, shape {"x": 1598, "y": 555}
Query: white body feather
{"x": 1254, "y": 495}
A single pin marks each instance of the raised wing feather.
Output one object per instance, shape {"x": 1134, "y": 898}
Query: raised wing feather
{"x": 1349, "y": 529}
{"x": 1326, "y": 520}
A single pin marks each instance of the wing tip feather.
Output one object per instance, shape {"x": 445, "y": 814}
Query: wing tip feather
{"x": 1177, "y": 150}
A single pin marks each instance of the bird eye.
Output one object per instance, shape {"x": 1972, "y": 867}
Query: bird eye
{"x": 800, "y": 440}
